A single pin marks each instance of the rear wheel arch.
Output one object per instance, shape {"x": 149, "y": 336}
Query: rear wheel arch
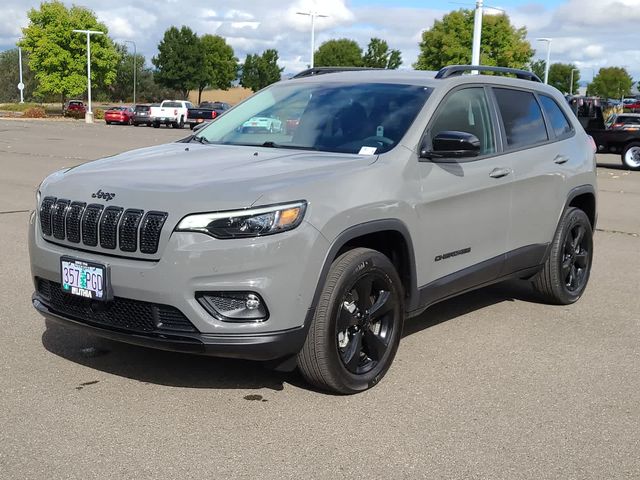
{"x": 584, "y": 198}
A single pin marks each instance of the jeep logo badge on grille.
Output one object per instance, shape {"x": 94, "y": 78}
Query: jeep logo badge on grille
{"x": 106, "y": 196}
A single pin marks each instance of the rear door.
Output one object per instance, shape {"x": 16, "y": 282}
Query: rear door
{"x": 541, "y": 155}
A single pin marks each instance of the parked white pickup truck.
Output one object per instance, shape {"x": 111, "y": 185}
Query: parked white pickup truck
{"x": 170, "y": 112}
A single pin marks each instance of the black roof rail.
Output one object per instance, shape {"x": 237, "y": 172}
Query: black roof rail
{"x": 457, "y": 70}
{"x": 310, "y": 72}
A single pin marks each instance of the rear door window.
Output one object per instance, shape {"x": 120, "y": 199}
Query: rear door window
{"x": 522, "y": 117}
{"x": 556, "y": 117}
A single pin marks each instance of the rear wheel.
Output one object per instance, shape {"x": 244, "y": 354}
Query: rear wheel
{"x": 156, "y": 125}
{"x": 356, "y": 329}
{"x": 631, "y": 156}
{"x": 566, "y": 271}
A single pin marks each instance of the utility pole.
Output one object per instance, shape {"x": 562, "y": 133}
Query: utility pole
{"x": 313, "y": 16}
{"x": 477, "y": 34}
{"x": 134, "y": 69}
{"x": 88, "y": 116}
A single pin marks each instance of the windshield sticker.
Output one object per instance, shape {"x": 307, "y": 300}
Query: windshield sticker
{"x": 367, "y": 151}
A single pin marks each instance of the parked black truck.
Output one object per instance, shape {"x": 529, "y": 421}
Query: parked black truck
{"x": 206, "y": 112}
{"x": 624, "y": 142}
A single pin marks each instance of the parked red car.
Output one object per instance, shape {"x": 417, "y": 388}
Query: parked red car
{"x": 74, "y": 108}
{"x": 123, "y": 115}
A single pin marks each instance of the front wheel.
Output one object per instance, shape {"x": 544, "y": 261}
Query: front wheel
{"x": 356, "y": 329}
{"x": 566, "y": 271}
{"x": 631, "y": 156}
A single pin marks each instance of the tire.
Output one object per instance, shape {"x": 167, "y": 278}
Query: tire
{"x": 136, "y": 124}
{"x": 191, "y": 125}
{"x": 356, "y": 358}
{"x": 108, "y": 123}
{"x": 566, "y": 271}
{"x": 156, "y": 125}
{"x": 631, "y": 156}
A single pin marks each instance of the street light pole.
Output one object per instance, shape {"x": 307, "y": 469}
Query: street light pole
{"x": 134, "y": 69}
{"x": 88, "y": 117}
{"x": 477, "y": 34}
{"x": 21, "y": 84}
{"x": 546, "y": 69}
{"x": 571, "y": 84}
{"x": 313, "y": 16}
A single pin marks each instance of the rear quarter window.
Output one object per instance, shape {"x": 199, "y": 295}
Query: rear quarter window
{"x": 521, "y": 116}
{"x": 559, "y": 123}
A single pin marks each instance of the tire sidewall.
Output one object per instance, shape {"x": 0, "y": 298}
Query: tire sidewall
{"x": 624, "y": 156}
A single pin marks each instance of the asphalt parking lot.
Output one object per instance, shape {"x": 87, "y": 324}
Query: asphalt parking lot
{"x": 489, "y": 385}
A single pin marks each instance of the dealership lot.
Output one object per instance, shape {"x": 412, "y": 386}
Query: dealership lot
{"x": 489, "y": 385}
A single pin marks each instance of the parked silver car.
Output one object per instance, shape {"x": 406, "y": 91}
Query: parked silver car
{"x": 310, "y": 246}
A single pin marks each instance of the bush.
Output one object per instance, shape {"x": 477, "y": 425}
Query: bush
{"x": 98, "y": 114}
{"x": 17, "y": 107}
{"x": 35, "y": 112}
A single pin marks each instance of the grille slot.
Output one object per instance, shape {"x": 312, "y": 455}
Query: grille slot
{"x": 58, "y": 213}
{"x": 128, "y": 231}
{"x": 150, "y": 231}
{"x": 74, "y": 214}
{"x": 45, "y": 214}
{"x": 109, "y": 227}
{"x": 120, "y": 313}
{"x": 90, "y": 224}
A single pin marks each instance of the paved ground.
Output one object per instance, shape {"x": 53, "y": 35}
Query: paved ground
{"x": 489, "y": 385}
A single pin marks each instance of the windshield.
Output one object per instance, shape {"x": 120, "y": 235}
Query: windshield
{"x": 364, "y": 118}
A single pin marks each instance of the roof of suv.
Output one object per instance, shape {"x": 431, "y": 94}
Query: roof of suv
{"x": 419, "y": 77}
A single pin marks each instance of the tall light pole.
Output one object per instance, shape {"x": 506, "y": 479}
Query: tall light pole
{"x": 477, "y": 33}
{"x": 546, "y": 67}
{"x": 313, "y": 16}
{"x": 20, "y": 84}
{"x": 134, "y": 69}
{"x": 571, "y": 84}
{"x": 88, "y": 116}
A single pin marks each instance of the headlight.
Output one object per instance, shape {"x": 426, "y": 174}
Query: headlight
{"x": 253, "y": 222}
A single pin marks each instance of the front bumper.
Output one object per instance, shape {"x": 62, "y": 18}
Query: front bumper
{"x": 263, "y": 347}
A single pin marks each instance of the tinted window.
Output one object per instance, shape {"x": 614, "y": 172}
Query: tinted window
{"x": 521, "y": 116}
{"x": 171, "y": 105}
{"x": 142, "y": 108}
{"x": 559, "y": 122}
{"x": 467, "y": 111}
{"x": 625, "y": 119}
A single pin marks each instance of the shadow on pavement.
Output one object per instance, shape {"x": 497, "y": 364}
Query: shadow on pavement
{"x": 194, "y": 371}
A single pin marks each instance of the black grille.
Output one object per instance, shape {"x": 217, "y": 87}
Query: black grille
{"x": 120, "y": 313}
{"x": 74, "y": 214}
{"x": 94, "y": 225}
{"x": 45, "y": 214}
{"x": 109, "y": 227}
{"x": 90, "y": 225}
{"x": 128, "y": 232}
{"x": 58, "y": 212}
{"x": 150, "y": 231}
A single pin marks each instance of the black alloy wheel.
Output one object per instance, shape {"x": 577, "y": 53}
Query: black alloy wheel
{"x": 576, "y": 258}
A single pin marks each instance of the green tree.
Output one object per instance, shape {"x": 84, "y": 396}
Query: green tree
{"x": 378, "y": 55}
{"x": 559, "y": 75}
{"x": 10, "y": 76}
{"x": 259, "y": 71}
{"x": 219, "y": 66}
{"x": 338, "y": 53}
{"x": 58, "y": 56}
{"x": 448, "y": 42}
{"x": 179, "y": 60}
{"x": 611, "y": 82}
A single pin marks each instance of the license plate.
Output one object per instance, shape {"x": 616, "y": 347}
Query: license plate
{"x": 200, "y": 120}
{"x": 84, "y": 279}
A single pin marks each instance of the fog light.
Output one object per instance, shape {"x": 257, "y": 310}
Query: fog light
{"x": 234, "y": 306}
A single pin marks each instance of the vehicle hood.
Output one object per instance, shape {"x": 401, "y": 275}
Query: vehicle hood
{"x": 182, "y": 178}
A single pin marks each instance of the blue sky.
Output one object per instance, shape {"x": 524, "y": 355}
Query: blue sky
{"x": 584, "y": 32}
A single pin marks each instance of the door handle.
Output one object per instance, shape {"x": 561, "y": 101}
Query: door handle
{"x": 500, "y": 172}
{"x": 561, "y": 159}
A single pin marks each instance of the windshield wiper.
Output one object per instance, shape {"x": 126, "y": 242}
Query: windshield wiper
{"x": 270, "y": 144}
{"x": 200, "y": 139}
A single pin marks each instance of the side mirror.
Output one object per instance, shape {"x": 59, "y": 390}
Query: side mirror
{"x": 449, "y": 146}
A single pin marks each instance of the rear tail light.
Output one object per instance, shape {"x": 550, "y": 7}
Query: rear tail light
{"x": 213, "y": 114}
{"x": 617, "y": 125}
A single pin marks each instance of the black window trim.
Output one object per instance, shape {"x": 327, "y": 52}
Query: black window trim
{"x": 492, "y": 106}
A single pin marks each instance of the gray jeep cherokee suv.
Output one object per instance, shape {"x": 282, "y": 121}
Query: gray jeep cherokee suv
{"x": 305, "y": 224}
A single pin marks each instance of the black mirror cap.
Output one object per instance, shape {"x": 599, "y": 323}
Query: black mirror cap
{"x": 451, "y": 144}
